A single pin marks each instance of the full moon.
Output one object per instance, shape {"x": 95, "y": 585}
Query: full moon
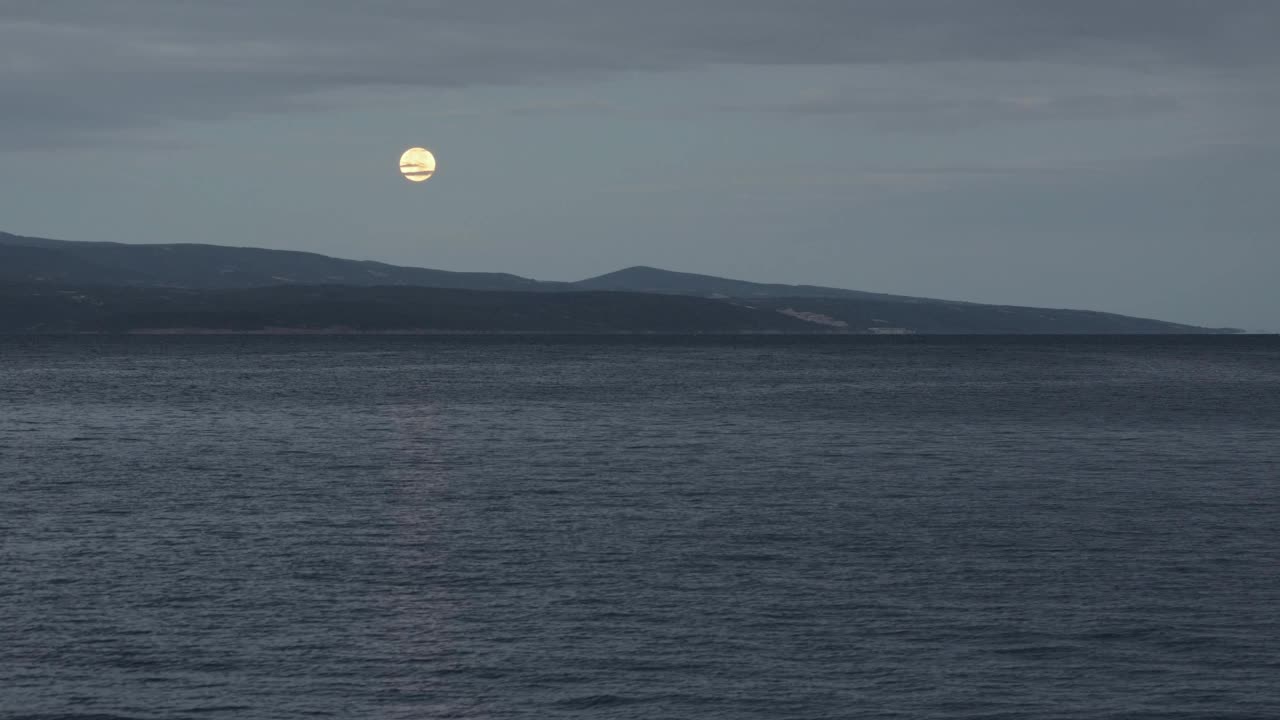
{"x": 417, "y": 164}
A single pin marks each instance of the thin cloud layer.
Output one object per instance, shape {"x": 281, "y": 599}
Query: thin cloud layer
{"x": 78, "y": 71}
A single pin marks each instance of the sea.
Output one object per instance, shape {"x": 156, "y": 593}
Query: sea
{"x": 639, "y": 527}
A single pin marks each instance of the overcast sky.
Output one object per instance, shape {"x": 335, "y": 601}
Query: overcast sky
{"x": 1120, "y": 155}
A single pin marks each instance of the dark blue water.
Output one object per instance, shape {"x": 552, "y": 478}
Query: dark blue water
{"x": 639, "y": 528}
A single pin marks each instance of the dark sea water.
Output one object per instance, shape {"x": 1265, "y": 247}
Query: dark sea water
{"x": 639, "y": 528}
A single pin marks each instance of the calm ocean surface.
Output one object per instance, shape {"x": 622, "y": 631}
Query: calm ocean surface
{"x": 639, "y": 528}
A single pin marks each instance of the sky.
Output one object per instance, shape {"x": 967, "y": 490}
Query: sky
{"x": 1119, "y": 155}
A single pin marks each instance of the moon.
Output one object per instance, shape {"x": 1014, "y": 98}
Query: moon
{"x": 417, "y": 164}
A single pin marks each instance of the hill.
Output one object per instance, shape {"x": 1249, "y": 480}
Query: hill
{"x": 43, "y": 309}
{"x": 26, "y": 259}
{"x": 648, "y": 279}
{"x": 72, "y": 286}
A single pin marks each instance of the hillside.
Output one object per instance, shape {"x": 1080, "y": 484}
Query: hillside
{"x": 648, "y": 279}
{"x": 25, "y": 259}
{"x": 957, "y": 318}
{"x": 42, "y": 309}
{"x": 123, "y": 287}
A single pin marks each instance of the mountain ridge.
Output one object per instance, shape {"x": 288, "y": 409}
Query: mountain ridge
{"x": 644, "y": 278}
{"x": 176, "y": 275}
{"x": 205, "y": 266}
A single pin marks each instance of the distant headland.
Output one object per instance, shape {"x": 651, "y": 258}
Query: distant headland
{"x": 59, "y": 286}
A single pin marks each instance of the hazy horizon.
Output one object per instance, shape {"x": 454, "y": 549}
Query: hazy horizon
{"x": 1116, "y": 156}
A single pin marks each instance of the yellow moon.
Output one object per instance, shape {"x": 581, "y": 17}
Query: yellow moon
{"x": 417, "y": 164}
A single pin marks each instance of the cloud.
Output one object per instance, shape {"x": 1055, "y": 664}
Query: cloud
{"x": 939, "y": 112}
{"x": 74, "y": 70}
